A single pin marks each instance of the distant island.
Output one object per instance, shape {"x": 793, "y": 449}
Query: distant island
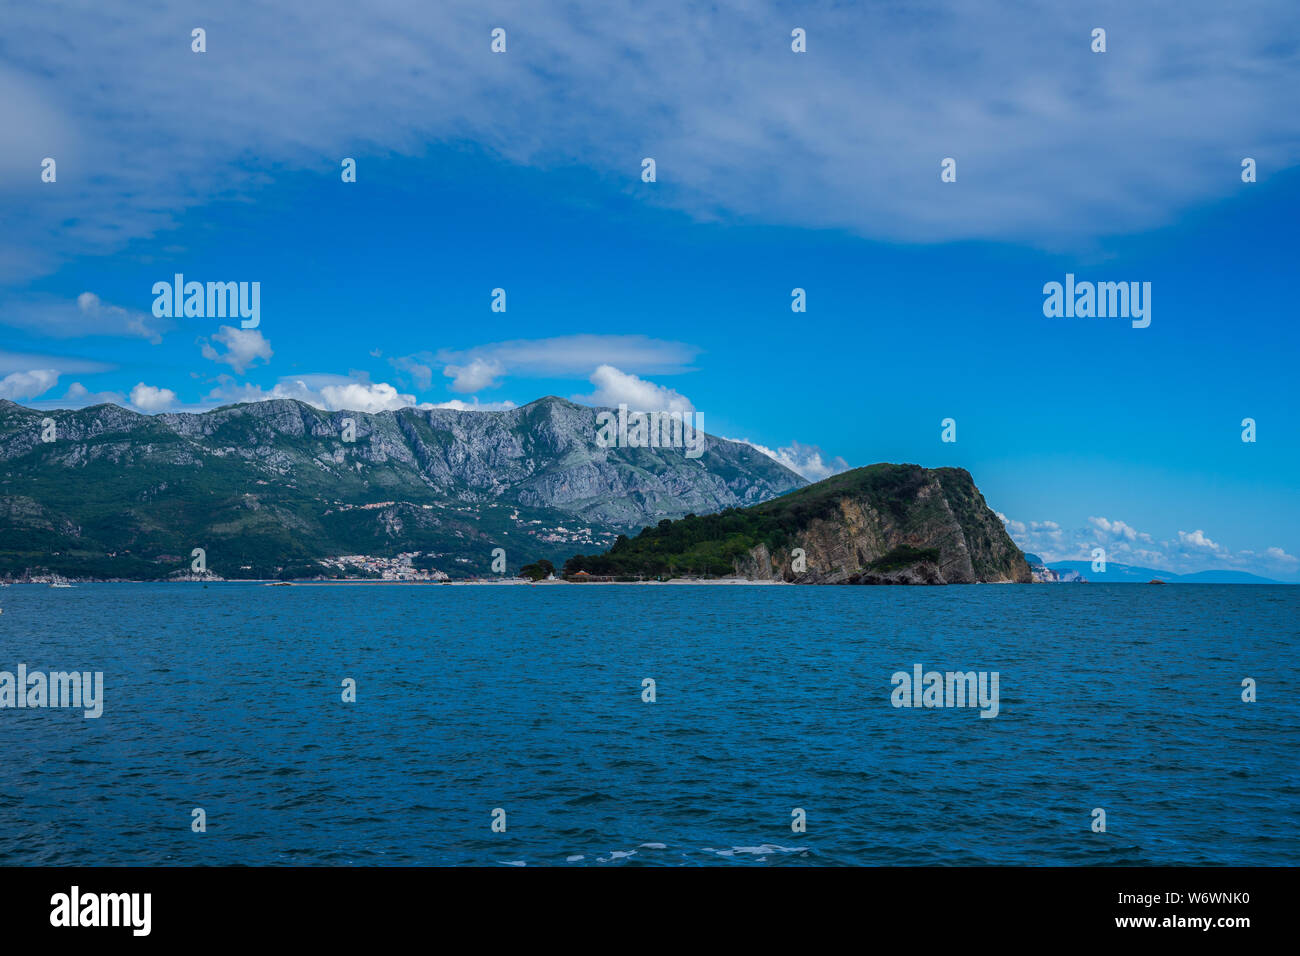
{"x": 1116, "y": 573}
{"x": 882, "y": 524}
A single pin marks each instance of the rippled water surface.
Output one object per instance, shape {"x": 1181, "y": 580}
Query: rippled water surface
{"x": 227, "y": 697}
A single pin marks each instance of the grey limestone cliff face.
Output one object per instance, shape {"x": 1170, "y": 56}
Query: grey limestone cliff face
{"x": 541, "y": 455}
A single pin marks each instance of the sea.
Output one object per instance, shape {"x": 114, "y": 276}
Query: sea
{"x": 660, "y": 725}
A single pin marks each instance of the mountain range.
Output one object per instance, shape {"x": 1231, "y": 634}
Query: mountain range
{"x": 1128, "y": 573}
{"x": 275, "y": 488}
{"x": 268, "y": 488}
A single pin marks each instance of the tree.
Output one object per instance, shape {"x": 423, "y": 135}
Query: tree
{"x": 538, "y": 570}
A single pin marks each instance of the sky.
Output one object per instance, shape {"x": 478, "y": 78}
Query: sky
{"x": 775, "y": 170}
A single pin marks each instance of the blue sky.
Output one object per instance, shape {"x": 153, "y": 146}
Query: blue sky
{"x": 775, "y": 170}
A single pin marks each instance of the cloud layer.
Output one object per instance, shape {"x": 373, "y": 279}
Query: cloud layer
{"x": 1054, "y": 143}
{"x": 336, "y": 393}
{"x": 1188, "y": 552}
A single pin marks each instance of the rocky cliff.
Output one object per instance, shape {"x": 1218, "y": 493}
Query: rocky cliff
{"x": 885, "y": 524}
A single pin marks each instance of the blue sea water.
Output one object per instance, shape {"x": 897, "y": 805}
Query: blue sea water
{"x": 528, "y": 699}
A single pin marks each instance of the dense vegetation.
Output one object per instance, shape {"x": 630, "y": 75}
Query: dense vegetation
{"x": 137, "y": 509}
{"x": 537, "y": 571}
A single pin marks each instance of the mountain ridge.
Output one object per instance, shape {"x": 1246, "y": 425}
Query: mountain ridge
{"x": 262, "y": 485}
{"x": 1130, "y": 573}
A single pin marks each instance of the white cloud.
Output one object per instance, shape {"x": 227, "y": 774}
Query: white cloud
{"x": 21, "y": 385}
{"x": 1187, "y": 552}
{"x": 741, "y": 127}
{"x": 365, "y": 397}
{"x": 481, "y": 367}
{"x": 150, "y": 399}
{"x": 331, "y": 392}
{"x": 572, "y": 355}
{"x": 338, "y": 393}
{"x": 1117, "y": 529}
{"x": 21, "y": 361}
{"x": 78, "y": 396}
{"x": 243, "y": 348}
{"x": 474, "y": 406}
{"x": 1197, "y": 539}
{"x": 108, "y": 317}
{"x": 1045, "y": 538}
{"x": 809, "y": 461}
{"x": 480, "y": 373}
{"x": 615, "y": 387}
{"x": 228, "y": 393}
{"x": 87, "y": 315}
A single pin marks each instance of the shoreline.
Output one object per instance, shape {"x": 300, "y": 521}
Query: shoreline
{"x": 707, "y": 582}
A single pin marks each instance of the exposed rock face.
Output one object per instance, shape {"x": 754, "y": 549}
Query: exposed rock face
{"x": 277, "y": 478}
{"x": 541, "y": 455}
{"x": 917, "y": 526}
{"x": 884, "y": 524}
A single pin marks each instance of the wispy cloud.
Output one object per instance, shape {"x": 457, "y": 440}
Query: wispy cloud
{"x": 1053, "y": 142}
{"x": 561, "y": 356}
{"x": 86, "y": 315}
{"x": 242, "y": 348}
{"x": 565, "y": 356}
{"x": 69, "y": 365}
{"x": 418, "y": 372}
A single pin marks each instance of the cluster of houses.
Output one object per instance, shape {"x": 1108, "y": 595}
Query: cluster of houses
{"x": 399, "y": 568}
